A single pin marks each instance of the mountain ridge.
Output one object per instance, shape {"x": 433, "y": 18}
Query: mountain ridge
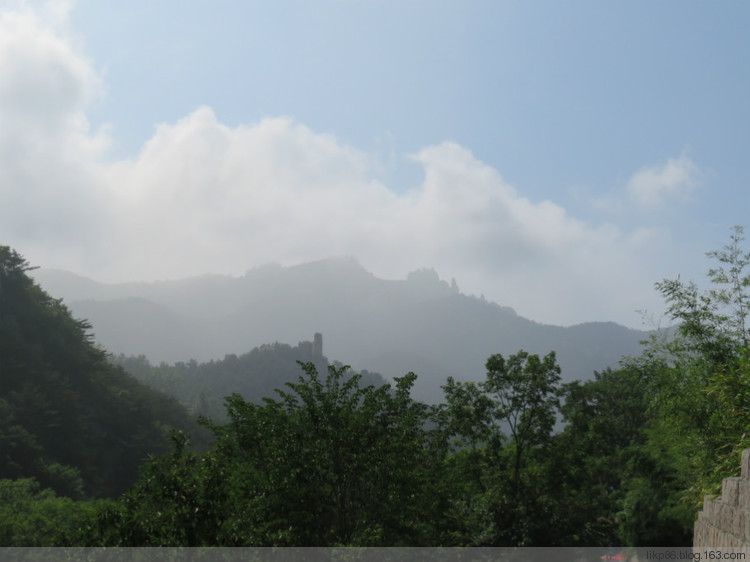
{"x": 368, "y": 322}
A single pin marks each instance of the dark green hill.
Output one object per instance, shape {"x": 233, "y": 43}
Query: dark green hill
{"x": 68, "y": 417}
{"x": 202, "y": 387}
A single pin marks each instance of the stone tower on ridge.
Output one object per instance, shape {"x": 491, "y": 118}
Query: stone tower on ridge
{"x": 317, "y": 346}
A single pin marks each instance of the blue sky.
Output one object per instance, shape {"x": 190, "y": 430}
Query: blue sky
{"x": 558, "y": 157}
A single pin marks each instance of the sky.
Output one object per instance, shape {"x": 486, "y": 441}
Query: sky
{"x": 556, "y": 157}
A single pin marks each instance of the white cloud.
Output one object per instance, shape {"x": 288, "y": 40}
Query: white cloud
{"x": 205, "y": 197}
{"x": 46, "y": 147}
{"x": 652, "y": 188}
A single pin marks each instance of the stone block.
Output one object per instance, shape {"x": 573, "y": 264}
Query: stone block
{"x": 724, "y": 516}
{"x": 730, "y": 491}
{"x": 737, "y": 528}
{"x": 706, "y": 500}
{"x": 744, "y": 493}
{"x": 716, "y": 512}
{"x": 745, "y": 464}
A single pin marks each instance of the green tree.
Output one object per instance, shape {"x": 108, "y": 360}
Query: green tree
{"x": 494, "y": 474}
{"x": 525, "y": 391}
{"x": 169, "y": 505}
{"x": 713, "y": 323}
{"x": 734, "y": 282}
{"x": 341, "y": 464}
{"x": 603, "y": 467}
{"x": 33, "y": 516}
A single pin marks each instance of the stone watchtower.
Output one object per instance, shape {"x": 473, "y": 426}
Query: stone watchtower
{"x": 311, "y": 350}
{"x": 317, "y": 345}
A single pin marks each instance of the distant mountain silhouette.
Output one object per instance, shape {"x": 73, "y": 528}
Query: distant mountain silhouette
{"x": 421, "y": 324}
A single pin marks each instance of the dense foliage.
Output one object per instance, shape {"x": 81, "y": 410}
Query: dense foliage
{"x": 519, "y": 458}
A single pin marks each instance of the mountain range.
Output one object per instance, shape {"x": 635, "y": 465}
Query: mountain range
{"x": 421, "y": 324}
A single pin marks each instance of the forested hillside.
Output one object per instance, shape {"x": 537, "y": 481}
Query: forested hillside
{"x": 202, "y": 387}
{"x": 68, "y": 418}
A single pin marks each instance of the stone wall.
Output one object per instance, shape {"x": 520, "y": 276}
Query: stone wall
{"x": 725, "y": 521}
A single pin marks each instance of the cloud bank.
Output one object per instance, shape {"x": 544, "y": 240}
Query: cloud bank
{"x": 653, "y": 187}
{"x": 202, "y": 196}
